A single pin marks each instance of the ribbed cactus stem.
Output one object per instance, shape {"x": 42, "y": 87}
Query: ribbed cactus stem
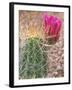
{"x": 34, "y": 63}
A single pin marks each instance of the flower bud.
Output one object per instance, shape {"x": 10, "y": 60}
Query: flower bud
{"x": 52, "y": 27}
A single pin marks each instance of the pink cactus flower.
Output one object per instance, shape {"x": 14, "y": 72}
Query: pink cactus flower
{"x": 52, "y": 26}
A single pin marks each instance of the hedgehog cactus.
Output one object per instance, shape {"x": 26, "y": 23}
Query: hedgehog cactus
{"x": 35, "y": 58}
{"x": 34, "y": 63}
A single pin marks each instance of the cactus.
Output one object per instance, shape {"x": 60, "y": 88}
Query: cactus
{"x": 34, "y": 63}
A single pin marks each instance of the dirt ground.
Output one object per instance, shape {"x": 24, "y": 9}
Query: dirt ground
{"x": 33, "y": 21}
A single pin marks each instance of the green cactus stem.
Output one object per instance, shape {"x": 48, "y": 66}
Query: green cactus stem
{"x": 34, "y": 63}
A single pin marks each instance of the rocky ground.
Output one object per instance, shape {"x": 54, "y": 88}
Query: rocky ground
{"x": 56, "y": 51}
{"x": 56, "y": 59}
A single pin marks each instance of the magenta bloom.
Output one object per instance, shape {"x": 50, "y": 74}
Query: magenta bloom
{"x": 52, "y": 26}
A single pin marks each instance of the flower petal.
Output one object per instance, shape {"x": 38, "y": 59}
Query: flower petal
{"x": 59, "y": 23}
